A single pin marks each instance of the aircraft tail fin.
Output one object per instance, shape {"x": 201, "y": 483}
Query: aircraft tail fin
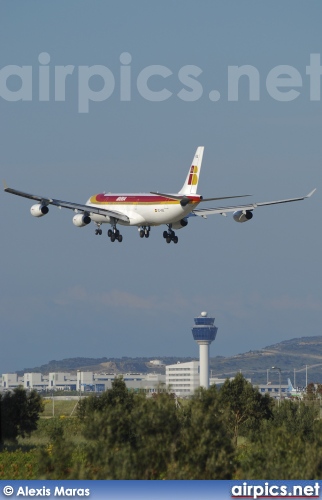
{"x": 289, "y": 385}
{"x": 191, "y": 184}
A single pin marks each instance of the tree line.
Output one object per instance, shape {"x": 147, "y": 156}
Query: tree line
{"x": 230, "y": 433}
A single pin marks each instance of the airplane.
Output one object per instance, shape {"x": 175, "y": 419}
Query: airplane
{"x": 148, "y": 209}
{"x": 292, "y": 391}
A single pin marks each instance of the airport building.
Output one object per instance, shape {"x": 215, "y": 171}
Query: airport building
{"x": 82, "y": 381}
{"x": 11, "y": 381}
{"x": 274, "y": 390}
{"x": 99, "y": 382}
{"x": 34, "y": 381}
{"x": 183, "y": 378}
{"x": 59, "y": 381}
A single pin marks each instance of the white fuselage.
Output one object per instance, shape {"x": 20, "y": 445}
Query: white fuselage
{"x": 141, "y": 209}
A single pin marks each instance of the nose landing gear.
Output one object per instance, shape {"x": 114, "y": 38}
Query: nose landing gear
{"x": 144, "y": 231}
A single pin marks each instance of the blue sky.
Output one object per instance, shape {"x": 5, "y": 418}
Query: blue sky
{"x": 66, "y": 293}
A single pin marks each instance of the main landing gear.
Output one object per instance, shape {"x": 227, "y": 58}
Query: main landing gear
{"x": 144, "y": 231}
{"x": 114, "y": 234}
{"x": 170, "y": 235}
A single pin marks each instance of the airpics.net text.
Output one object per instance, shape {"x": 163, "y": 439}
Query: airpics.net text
{"x": 157, "y": 83}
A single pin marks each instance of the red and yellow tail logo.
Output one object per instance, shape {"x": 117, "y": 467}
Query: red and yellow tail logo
{"x": 193, "y": 176}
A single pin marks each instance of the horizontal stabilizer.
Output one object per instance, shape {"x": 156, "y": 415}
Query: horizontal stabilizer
{"x": 225, "y": 197}
{"x": 170, "y": 196}
{"x": 181, "y": 197}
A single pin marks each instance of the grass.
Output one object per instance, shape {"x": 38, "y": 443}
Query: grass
{"x": 21, "y": 460}
{"x": 19, "y": 464}
{"x": 60, "y": 408}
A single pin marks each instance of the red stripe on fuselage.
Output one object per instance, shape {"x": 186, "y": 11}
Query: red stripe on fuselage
{"x": 128, "y": 199}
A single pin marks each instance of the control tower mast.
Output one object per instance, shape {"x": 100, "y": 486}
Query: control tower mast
{"x": 204, "y": 332}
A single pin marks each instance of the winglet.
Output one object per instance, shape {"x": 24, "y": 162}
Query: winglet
{"x": 5, "y": 185}
{"x": 310, "y": 194}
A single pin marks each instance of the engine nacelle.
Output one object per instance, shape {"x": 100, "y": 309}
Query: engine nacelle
{"x": 180, "y": 224}
{"x": 243, "y": 215}
{"x": 39, "y": 210}
{"x": 81, "y": 220}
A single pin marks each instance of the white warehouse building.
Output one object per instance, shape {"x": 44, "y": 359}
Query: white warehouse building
{"x": 11, "y": 381}
{"x": 98, "y": 382}
{"x": 35, "y": 381}
{"x": 82, "y": 381}
{"x": 183, "y": 378}
{"x": 60, "y": 381}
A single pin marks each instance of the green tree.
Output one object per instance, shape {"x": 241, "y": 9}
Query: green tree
{"x": 278, "y": 453}
{"x": 310, "y": 392}
{"x": 245, "y": 405}
{"x": 287, "y": 446}
{"x": 19, "y": 413}
{"x": 156, "y": 427}
{"x": 297, "y": 417}
{"x": 118, "y": 394}
{"x": 56, "y": 460}
{"x": 131, "y": 441}
{"x": 204, "y": 449}
{"x": 135, "y": 437}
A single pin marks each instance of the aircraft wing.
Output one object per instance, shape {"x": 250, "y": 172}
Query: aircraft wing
{"x": 203, "y": 212}
{"x": 68, "y": 204}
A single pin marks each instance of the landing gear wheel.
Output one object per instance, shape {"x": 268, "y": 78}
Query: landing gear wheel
{"x": 113, "y": 237}
{"x": 109, "y": 233}
{"x": 141, "y": 233}
{"x": 147, "y": 234}
{"x": 168, "y": 239}
{"x": 165, "y": 234}
{"x": 120, "y": 238}
{"x": 97, "y": 231}
{"x": 100, "y": 232}
{"x": 175, "y": 239}
{"x": 117, "y": 233}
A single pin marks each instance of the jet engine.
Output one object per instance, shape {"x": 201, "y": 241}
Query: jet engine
{"x": 180, "y": 224}
{"x": 81, "y": 220}
{"x": 243, "y": 215}
{"x": 39, "y": 210}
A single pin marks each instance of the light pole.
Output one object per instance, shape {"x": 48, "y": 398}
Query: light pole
{"x": 305, "y": 367}
{"x": 280, "y": 375}
{"x": 296, "y": 370}
{"x": 80, "y": 385}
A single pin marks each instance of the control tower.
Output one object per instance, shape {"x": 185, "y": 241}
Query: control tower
{"x": 204, "y": 332}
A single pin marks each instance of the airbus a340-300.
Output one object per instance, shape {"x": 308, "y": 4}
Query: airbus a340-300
{"x": 147, "y": 209}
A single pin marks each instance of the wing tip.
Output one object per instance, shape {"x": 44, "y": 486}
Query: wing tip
{"x": 5, "y": 186}
{"x": 310, "y": 193}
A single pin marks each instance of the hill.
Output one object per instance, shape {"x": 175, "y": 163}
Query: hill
{"x": 288, "y": 355}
